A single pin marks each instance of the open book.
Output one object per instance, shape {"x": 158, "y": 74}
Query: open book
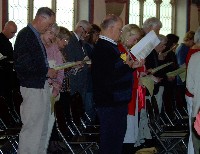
{"x": 144, "y": 47}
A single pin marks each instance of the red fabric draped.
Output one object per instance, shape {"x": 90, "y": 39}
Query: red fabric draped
{"x": 141, "y": 90}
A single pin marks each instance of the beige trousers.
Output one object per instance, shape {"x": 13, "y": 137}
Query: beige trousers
{"x": 34, "y": 112}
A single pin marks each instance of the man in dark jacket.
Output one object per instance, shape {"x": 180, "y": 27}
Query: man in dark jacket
{"x": 112, "y": 86}
{"x": 8, "y": 76}
{"x": 33, "y": 70}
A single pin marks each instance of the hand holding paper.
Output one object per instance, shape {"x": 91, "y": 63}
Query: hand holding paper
{"x": 144, "y": 47}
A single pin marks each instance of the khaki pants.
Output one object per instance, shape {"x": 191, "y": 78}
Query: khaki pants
{"x": 34, "y": 112}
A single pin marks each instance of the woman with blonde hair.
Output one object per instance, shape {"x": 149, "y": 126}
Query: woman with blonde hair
{"x": 131, "y": 34}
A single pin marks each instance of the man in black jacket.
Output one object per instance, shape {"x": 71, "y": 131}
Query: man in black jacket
{"x": 112, "y": 86}
{"x": 33, "y": 70}
{"x": 8, "y": 76}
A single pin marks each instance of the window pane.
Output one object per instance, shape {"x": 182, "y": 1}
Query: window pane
{"x": 149, "y": 9}
{"x": 166, "y": 17}
{"x": 17, "y": 12}
{"x": 65, "y": 13}
{"x": 134, "y": 12}
{"x": 40, "y": 3}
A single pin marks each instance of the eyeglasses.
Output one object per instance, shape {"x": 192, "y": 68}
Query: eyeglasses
{"x": 86, "y": 32}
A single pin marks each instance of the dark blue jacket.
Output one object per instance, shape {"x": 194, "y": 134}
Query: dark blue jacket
{"x": 112, "y": 79}
{"x": 29, "y": 60}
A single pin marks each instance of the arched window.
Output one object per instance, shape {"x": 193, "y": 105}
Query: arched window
{"x": 23, "y": 11}
{"x": 140, "y": 10}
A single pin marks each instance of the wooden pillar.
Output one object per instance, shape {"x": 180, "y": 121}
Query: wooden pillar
{"x": 141, "y": 6}
{"x": 173, "y": 24}
{"x": 158, "y": 2}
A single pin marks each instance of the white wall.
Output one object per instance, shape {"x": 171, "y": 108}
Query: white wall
{"x": 100, "y": 11}
{"x": 181, "y": 19}
{"x": 83, "y": 10}
{"x": 194, "y": 24}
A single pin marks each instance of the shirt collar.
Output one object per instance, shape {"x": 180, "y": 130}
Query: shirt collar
{"x": 107, "y": 39}
{"x": 34, "y": 30}
{"x": 76, "y": 36}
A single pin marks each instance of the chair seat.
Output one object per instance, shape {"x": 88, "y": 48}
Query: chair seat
{"x": 176, "y": 128}
{"x": 85, "y": 138}
{"x": 174, "y": 135}
{"x": 10, "y": 132}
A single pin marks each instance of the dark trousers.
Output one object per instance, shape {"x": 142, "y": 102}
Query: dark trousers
{"x": 113, "y": 123}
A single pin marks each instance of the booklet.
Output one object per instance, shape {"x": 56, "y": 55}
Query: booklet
{"x": 144, "y": 47}
{"x": 2, "y": 57}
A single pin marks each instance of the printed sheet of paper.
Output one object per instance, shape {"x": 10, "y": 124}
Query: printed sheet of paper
{"x": 183, "y": 76}
{"x": 154, "y": 70}
{"x": 148, "y": 82}
{"x": 65, "y": 65}
{"x": 144, "y": 47}
{"x": 176, "y": 72}
{"x": 2, "y": 57}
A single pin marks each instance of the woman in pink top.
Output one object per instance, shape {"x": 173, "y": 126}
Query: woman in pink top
{"x": 54, "y": 41}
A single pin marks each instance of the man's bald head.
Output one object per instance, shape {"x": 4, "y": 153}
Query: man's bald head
{"x": 10, "y": 29}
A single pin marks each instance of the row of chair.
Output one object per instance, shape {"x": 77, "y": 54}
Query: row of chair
{"x": 171, "y": 137}
{"x": 10, "y": 126}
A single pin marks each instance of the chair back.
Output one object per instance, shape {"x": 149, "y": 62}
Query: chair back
{"x": 77, "y": 109}
{"x": 150, "y": 113}
{"x": 17, "y": 100}
{"x": 5, "y": 115}
{"x": 155, "y": 108}
{"x": 61, "y": 122}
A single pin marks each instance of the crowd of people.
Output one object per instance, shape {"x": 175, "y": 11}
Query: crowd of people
{"x": 110, "y": 86}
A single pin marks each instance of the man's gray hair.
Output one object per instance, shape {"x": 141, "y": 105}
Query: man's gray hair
{"x": 45, "y": 11}
{"x": 83, "y": 23}
{"x": 109, "y": 20}
{"x": 152, "y": 22}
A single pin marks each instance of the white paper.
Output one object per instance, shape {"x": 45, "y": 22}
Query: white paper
{"x": 2, "y": 57}
{"x": 144, "y": 47}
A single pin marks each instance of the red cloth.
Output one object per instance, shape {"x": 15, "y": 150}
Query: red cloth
{"x": 141, "y": 90}
{"x": 190, "y": 53}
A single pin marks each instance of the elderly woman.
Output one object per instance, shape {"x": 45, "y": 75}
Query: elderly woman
{"x": 54, "y": 41}
{"x": 152, "y": 23}
{"x": 131, "y": 34}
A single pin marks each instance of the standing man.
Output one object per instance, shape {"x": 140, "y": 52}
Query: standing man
{"x": 75, "y": 51}
{"x": 33, "y": 71}
{"x": 7, "y": 77}
{"x": 112, "y": 85}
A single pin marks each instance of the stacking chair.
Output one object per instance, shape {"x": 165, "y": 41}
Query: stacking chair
{"x": 9, "y": 130}
{"x": 7, "y": 119}
{"x": 170, "y": 141}
{"x": 76, "y": 143}
{"x": 78, "y": 117}
{"x": 166, "y": 125}
{"x": 9, "y": 146}
{"x": 17, "y": 100}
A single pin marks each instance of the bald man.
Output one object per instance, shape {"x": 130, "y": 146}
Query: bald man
{"x": 7, "y": 77}
{"x": 112, "y": 86}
